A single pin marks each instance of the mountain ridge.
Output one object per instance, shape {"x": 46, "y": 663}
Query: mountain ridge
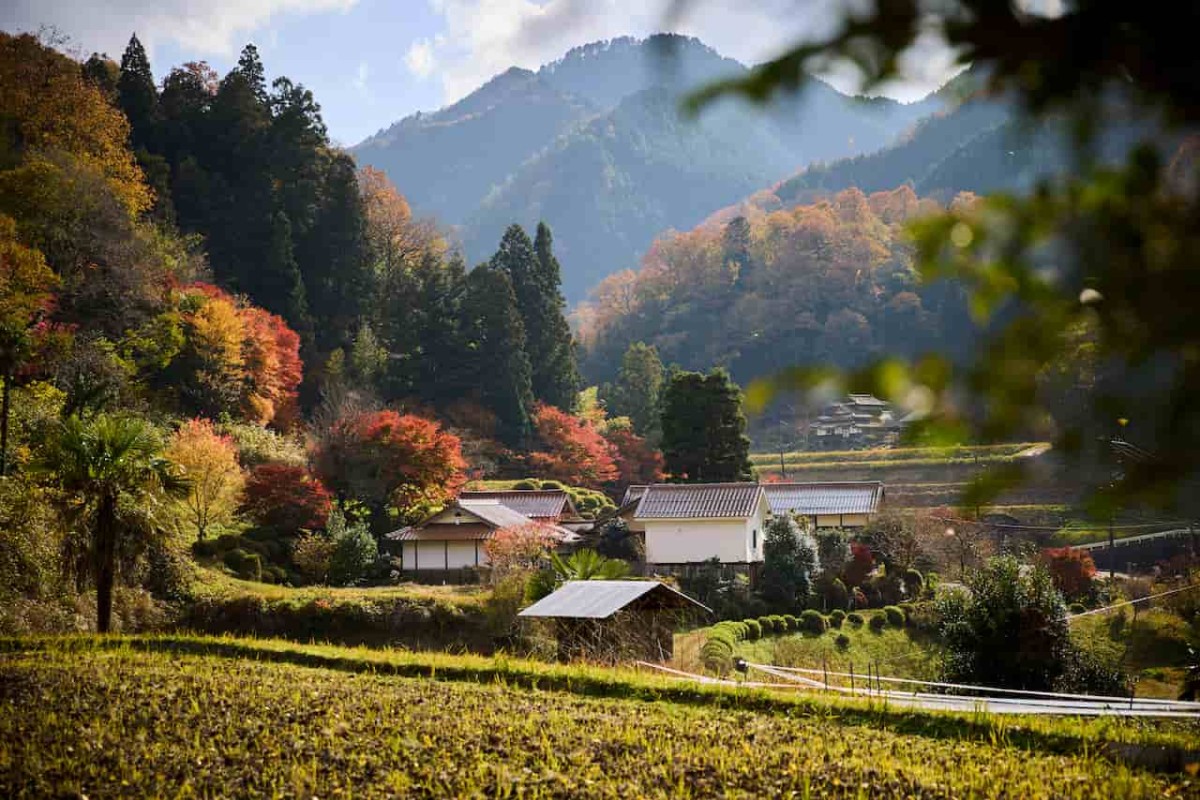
{"x": 574, "y": 143}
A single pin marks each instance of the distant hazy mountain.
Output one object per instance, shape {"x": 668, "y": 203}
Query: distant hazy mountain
{"x": 595, "y": 145}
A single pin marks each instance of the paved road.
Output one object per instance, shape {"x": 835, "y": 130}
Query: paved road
{"x": 1060, "y": 705}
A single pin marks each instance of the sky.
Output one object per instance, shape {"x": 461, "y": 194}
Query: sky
{"x": 372, "y": 62}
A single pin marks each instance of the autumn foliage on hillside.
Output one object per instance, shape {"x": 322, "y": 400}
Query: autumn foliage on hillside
{"x": 828, "y": 282}
{"x": 240, "y": 356}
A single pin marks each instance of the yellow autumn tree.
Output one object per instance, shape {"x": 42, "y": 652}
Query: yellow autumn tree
{"x": 49, "y": 107}
{"x": 215, "y": 480}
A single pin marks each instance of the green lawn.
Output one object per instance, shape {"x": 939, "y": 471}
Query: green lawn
{"x": 894, "y": 456}
{"x": 197, "y": 717}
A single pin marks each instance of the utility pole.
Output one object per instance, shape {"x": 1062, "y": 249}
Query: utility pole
{"x": 1112, "y": 553}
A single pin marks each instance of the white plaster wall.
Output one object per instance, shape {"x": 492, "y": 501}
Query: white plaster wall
{"x": 682, "y": 541}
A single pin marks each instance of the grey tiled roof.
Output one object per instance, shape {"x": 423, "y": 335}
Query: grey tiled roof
{"x": 602, "y": 599}
{"x": 536, "y": 504}
{"x": 824, "y": 498}
{"x": 699, "y": 500}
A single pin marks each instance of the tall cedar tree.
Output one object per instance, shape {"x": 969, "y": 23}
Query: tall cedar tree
{"x": 704, "y": 430}
{"x": 639, "y": 383}
{"x": 494, "y": 359}
{"x": 551, "y": 348}
{"x": 535, "y": 277}
{"x": 137, "y": 96}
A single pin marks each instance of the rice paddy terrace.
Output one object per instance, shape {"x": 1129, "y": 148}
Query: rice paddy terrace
{"x": 208, "y": 717}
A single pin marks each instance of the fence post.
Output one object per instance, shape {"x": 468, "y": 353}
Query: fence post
{"x": 825, "y": 670}
{"x": 851, "y": 677}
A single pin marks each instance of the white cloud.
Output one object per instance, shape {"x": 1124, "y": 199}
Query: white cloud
{"x": 420, "y": 59}
{"x": 485, "y": 37}
{"x": 208, "y": 27}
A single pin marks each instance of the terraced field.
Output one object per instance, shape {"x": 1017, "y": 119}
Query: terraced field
{"x": 235, "y": 718}
{"x": 923, "y": 477}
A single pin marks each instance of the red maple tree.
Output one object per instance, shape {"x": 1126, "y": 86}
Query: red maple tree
{"x": 286, "y": 498}
{"x": 572, "y": 450}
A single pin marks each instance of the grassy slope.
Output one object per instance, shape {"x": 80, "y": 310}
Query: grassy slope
{"x": 148, "y": 717}
{"x": 212, "y": 584}
{"x": 1153, "y": 647}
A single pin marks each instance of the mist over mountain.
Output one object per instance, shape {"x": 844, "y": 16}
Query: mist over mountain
{"x": 595, "y": 144}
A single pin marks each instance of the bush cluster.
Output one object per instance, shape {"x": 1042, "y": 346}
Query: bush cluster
{"x": 836, "y": 618}
{"x": 877, "y": 622}
{"x": 855, "y": 619}
{"x": 812, "y": 621}
{"x": 842, "y": 641}
{"x": 894, "y": 616}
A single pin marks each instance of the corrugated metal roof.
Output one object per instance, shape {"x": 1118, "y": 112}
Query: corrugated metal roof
{"x": 698, "y": 500}
{"x": 535, "y": 504}
{"x": 602, "y": 599}
{"x": 809, "y": 499}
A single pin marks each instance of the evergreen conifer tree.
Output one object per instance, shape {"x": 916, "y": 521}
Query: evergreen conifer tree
{"x": 704, "y": 430}
{"x": 535, "y": 276}
{"x": 137, "y": 96}
{"x": 639, "y": 383}
{"x": 494, "y": 361}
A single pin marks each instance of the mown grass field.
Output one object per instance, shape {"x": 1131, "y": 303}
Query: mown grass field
{"x": 195, "y": 717}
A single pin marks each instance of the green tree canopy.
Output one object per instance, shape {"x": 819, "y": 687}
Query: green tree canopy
{"x": 704, "y": 430}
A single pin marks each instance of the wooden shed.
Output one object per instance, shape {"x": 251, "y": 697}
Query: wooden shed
{"x": 615, "y": 621}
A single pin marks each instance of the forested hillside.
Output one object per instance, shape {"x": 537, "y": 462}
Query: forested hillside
{"x": 829, "y": 282}
{"x": 595, "y": 145}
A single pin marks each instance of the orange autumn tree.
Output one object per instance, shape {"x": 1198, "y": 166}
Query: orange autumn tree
{"x": 237, "y": 358}
{"x": 384, "y": 458}
{"x": 635, "y": 459}
{"x": 571, "y": 450}
{"x": 208, "y": 460}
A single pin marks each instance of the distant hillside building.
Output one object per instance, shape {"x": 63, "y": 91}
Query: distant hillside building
{"x": 859, "y": 421}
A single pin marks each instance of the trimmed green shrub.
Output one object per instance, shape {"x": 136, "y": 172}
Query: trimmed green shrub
{"x": 812, "y": 621}
{"x": 877, "y": 622}
{"x": 894, "y": 616}
{"x": 836, "y": 618}
{"x": 717, "y": 656}
{"x": 793, "y": 623}
{"x": 855, "y": 619}
{"x": 247, "y": 566}
{"x": 768, "y": 625}
{"x": 753, "y": 629}
{"x": 205, "y": 548}
{"x": 526, "y": 485}
{"x": 779, "y": 623}
{"x": 842, "y": 641}
{"x": 914, "y": 582}
{"x": 1076, "y": 608}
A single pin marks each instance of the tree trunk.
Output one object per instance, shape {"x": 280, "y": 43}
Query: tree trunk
{"x": 5, "y": 404}
{"x": 106, "y": 557}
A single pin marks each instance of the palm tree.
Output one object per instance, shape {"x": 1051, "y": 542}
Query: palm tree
{"x": 113, "y": 480}
{"x": 588, "y": 565}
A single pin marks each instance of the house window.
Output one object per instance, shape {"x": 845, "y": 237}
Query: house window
{"x": 754, "y": 539}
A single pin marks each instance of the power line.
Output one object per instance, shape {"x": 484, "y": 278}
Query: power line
{"x": 1129, "y": 602}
